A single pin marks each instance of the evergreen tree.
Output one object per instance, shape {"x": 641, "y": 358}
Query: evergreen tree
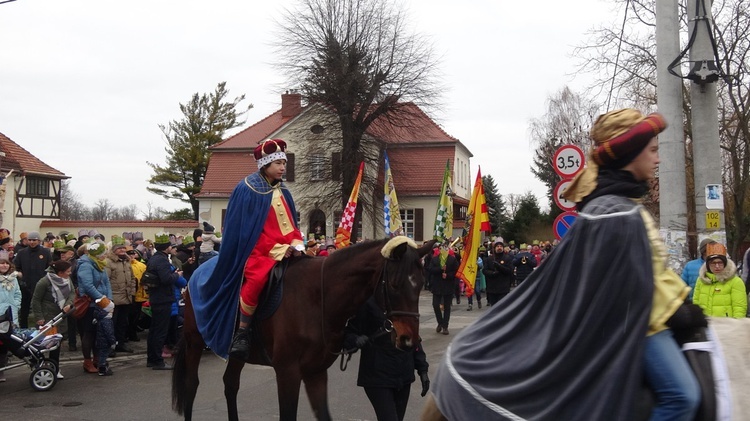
{"x": 495, "y": 205}
{"x": 206, "y": 118}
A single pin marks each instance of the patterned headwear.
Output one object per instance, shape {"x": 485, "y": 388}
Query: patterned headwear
{"x": 619, "y": 136}
{"x": 96, "y": 248}
{"x": 268, "y": 151}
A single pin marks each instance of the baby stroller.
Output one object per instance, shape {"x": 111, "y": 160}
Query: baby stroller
{"x": 32, "y": 347}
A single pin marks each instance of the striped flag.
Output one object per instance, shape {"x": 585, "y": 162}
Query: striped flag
{"x": 444, "y": 215}
{"x": 344, "y": 231}
{"x": 477, "y": 221}
{"x": 390, "y": 204}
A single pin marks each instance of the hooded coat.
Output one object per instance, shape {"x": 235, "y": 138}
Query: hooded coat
{"x": 721, "y": 294}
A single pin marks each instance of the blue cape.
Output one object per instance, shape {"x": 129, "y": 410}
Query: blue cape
{"x": 215, "y": 285}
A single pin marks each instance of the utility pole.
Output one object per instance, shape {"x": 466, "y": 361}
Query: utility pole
{"x": 705, "y": 124}
{"x": 672, "y": 194}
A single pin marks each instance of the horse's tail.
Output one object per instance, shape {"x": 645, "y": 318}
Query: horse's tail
{"x": 179, "y": 386}
{"x": 187, "y": 358}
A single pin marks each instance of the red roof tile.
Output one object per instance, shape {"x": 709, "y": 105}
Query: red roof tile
{"x": 20, "y": 160}
{"x": 410, "y": 125}
{"x": 82, "y": 224}
{"x": 419, "y": 173}
{"x": 226, "y": 169}
{"x": 249, "y": 138}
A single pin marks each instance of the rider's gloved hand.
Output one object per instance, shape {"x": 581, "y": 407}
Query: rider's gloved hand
{"x": 361, "y": 341}
{"x": 425, "y": 382}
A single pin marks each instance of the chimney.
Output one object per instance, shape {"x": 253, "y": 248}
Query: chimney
{"x": 291, "y": 104}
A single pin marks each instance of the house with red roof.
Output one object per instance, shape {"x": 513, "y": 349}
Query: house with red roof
{"x": 30, "y": 190}
{"x": 418, "y": 149}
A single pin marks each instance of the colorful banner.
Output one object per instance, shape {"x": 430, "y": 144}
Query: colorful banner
{"x": 344, "y": 231}
{"x": 444, "y": 216}
{"x": 477, "y": 220}
{"x": 391, "y": 214}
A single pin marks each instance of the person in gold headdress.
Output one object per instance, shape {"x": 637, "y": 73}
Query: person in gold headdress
{"x": 601, "y": 304}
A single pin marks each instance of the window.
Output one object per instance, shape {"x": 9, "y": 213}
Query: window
{"x": 407, "y": 221}
{"x": 317, "y": 167}
{"x": 36, "y": 186}
{"x": 289, "y": 175}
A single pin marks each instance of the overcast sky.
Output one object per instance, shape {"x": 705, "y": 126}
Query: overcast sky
{"x": 84, "y": 84}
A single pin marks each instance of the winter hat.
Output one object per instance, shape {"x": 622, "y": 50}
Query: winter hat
{"x": 96, "y": 248}
{"x": 99, "y": 237}
{"x": 268, "y": 151}
{"x": 33, "y": 235}
{"x": 59, "y": 266}
{"x": 58, "y": 244}
{"x": 716, "y": 251}
{"x": 117, "y": 242}
{"x": 207, "y": 228}
{"x": 482, "y": 249}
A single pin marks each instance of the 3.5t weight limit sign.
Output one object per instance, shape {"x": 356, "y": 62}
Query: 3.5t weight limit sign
{"x": 568, "y": 161}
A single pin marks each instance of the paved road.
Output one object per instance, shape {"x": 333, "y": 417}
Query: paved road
{"x": 137, "y": 393}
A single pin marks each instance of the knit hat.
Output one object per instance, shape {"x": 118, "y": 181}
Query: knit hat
{"x": 207, "y": 228}
{"x": 96, "y": 248}
{"x": 268, "y": 151}
{"x": 619, "y": 136}
{"x": 716, "y": 251}
{"x": 33, "y": 235}
{"x": 117, "y": 242}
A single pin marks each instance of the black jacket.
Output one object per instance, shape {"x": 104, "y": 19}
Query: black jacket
{"x": 381, "y": 363}
{"x": 498, "y": 273}
{"x": 159, "y": 264}
{"x": 33, "y": 264}
{"x": 438, "y": 285}
{"x": 524, "y": 263}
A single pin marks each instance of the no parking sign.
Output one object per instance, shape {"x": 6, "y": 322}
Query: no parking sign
{"x": 563, "y": 222}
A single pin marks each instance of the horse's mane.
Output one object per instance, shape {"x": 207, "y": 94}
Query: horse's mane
{"x": 401, "y": 268}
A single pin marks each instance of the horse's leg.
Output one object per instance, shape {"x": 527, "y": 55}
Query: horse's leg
{"x": 287, "y": 384}
{"x": 317, "y": 392}
{"x": 431, "y": 411}
{"x": 232, "y": 386}
{"x": 187, "y": 359}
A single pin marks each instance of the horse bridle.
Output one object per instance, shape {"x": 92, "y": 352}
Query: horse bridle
{"x": 388, "y": 311}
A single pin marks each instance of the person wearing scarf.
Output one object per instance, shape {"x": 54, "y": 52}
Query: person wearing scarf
{"x": 53, "y": 293}
{"x": 94, "y": 282}
{"x": 574, "y": 340}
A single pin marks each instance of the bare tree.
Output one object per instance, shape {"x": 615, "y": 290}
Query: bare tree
{"x": 358, "y": 59}
{"x": 567, "y": 122}
{"x": 512, "y": 202}
{"x": 71, "y": 207}
{"x": 103, "y": 210}
{"x": 624, "y": 63}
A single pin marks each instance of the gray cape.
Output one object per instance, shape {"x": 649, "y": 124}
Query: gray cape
{"x": 567, "y": 343}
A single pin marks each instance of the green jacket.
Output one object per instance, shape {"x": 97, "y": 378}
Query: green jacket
{"x": 721, "y": 294}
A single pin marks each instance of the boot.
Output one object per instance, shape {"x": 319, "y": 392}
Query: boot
{"x": 479, "y": 303}
{"x": 241, "y": 344}
{"x": 104, "y": 370}
{"x": 88, "y": 366}
{"x": 469, "y": 308}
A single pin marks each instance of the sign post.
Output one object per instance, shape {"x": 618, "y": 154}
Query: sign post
{"x": 568, "y": 161}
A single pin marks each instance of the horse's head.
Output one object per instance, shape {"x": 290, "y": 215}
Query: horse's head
{"x": 400, "y": 284}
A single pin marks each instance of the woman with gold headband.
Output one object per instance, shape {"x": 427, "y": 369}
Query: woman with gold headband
{"x": 574, "y": 340}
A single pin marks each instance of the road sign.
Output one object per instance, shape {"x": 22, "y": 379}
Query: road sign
{"x": 563, "y": 203}
{"x": 562, "y": 223}
{"x": 568, "y": 161}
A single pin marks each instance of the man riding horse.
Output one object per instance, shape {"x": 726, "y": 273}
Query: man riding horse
{"x": 260, "y": 230}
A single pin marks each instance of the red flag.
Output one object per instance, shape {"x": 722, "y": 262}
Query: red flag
{"x": 477, "y": 220}
{"x": 344, "y": 231}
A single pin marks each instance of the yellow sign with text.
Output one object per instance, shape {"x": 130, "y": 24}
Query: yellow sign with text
{"x": 713, "y": 220}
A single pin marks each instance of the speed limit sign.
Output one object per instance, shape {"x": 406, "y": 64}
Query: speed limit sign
{"x": 568, "y": 161}
{"x": 563, "y": 203}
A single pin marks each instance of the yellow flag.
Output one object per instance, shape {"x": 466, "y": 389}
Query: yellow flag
{"x": 391, "y": 211}
{"x": 444, "y": 215}
{"x": 477, "y": 220}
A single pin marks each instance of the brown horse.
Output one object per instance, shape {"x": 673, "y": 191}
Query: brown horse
{"x": 302, "y": 338}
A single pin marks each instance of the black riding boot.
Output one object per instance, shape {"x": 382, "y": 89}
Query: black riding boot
{"x": 241, "y": 344}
